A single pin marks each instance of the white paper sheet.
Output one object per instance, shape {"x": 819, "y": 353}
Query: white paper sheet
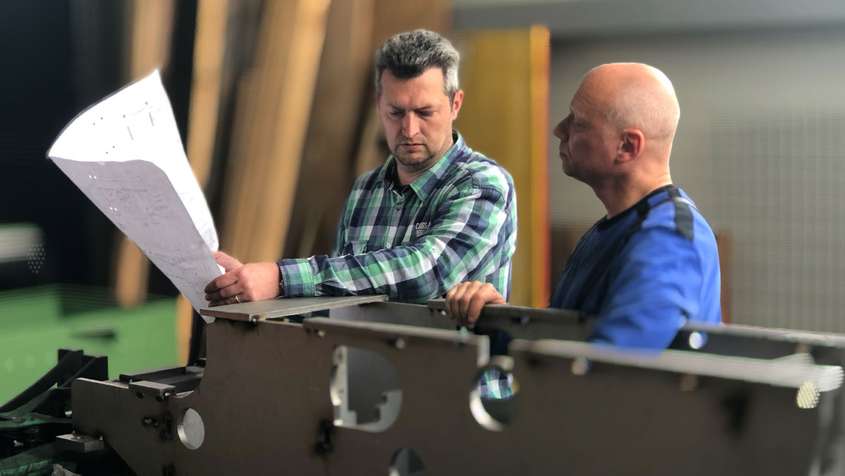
{"x": 126, "y": 156}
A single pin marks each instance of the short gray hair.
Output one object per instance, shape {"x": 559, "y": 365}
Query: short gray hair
{"x": 409, "y": 54}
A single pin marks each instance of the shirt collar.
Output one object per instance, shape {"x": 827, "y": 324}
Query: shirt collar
{"x": 425, "y": 183}
{"x": 642, "y": 207}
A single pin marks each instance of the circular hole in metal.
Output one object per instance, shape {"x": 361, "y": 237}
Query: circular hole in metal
{"x": 191, "y": 429}
{"x": 406, "y": 462}
{"x": 494, "y": 398}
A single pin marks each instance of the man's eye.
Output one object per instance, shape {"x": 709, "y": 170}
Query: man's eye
{"x": 424, "y": 113}
{"x": 396, "y": 114}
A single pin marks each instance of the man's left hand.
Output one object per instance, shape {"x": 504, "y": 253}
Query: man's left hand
{"x": 242, "y": 282}
{"x": 465, "y": 301}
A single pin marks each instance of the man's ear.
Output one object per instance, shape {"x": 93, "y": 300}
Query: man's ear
{"x": 457, "y": 102}
{"x": 631, "y": 145}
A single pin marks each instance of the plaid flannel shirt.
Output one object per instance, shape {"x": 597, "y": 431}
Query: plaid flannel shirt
{"x": 455, "y": 222}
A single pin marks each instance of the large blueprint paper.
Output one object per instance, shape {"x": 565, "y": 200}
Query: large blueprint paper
{"x": 126, "y": 156}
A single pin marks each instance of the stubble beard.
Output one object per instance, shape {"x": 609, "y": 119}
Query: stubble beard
{"x": 415, "y": 162}
{"x": 567, "y": 167}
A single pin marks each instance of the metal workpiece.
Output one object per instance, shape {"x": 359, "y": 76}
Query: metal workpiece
{"x": 724, "y": 339}
{"x": 733, "y": 339}
{"x": 718, "y": 340}
{"x": 264, "y": 387}
{"x": 790, "y": 372}
{"x": 265, "y": 401}
{"x": 152, "y": 389}
{"x": 81, "y": 444}
{"x": 517, "y": 321}
{"x": 521, "y": 322}
{"x": 169, "y": 380}
{"x": 527, "y": 322}
{"x": 667, "y": 414}
{"x": 514, "y": 313}
{"x": 383, "y": 385}
{"x": 394, "y": 313}
{"x": 280, "y": 308}
{"x": 374, "y": 335}
{"x": 359, "y": 393}
{"x": 771, "y": 333}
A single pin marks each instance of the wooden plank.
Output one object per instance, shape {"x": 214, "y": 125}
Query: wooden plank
{"x": 150, "y": 26}
{"x": 342, "y": 83}
{"x": 245, "y": 144}
{"x": 206, "y": 81}
{"x": 261, "y": 93}
{"x": 271, "y": 124}
{"x": 394, "y": 16}
{"x": 517, "y": 97}
{"x": 300, "y": 78}
{"x": 209, "y": 50}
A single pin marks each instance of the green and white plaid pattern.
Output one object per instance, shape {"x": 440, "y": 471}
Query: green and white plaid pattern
{"x": 456, "y": 222}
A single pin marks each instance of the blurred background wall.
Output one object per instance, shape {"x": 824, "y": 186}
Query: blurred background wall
{"x": 275, "y": 106}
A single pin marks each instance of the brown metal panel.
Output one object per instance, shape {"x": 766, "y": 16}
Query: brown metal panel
{"x": 277, "y": 308}
{"x": 266, "y": 404}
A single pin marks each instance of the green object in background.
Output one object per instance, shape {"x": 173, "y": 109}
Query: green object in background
{"x": 36, "y": 322}
{"x": 38, "y": 461}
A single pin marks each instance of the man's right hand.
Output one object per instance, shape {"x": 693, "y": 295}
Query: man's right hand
{"x": 465, "y": 301}
{"x": 242, "y": 282}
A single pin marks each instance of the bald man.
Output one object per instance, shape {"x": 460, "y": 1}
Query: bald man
{"x": 651, "y": 263}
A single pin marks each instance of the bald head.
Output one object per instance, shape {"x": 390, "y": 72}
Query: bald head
{"x": 618, "y": 135}
{"x": 634, "y": 95}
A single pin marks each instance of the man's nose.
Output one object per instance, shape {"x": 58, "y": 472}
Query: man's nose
{"x": 410, "y": 125}
{"x": 561, "y": 131}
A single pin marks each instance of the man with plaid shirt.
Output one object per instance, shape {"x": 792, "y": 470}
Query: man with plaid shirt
{"x": 435, "y": 214}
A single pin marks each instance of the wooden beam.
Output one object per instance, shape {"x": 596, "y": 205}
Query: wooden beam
{"x": 342, "y": 84}
{"x": 150, "y": 26}
{"x": 207, "y": 77}
{"x": 206, "y": 81}
{"x": 395, "y": 16}
{"x": 270, "y": 127}
{"x": 505, "y": 116}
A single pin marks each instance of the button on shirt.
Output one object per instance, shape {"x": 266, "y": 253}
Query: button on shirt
{"x": 414, "y": 242}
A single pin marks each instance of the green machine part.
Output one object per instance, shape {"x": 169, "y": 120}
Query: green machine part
{"x": 35, "y": 322}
